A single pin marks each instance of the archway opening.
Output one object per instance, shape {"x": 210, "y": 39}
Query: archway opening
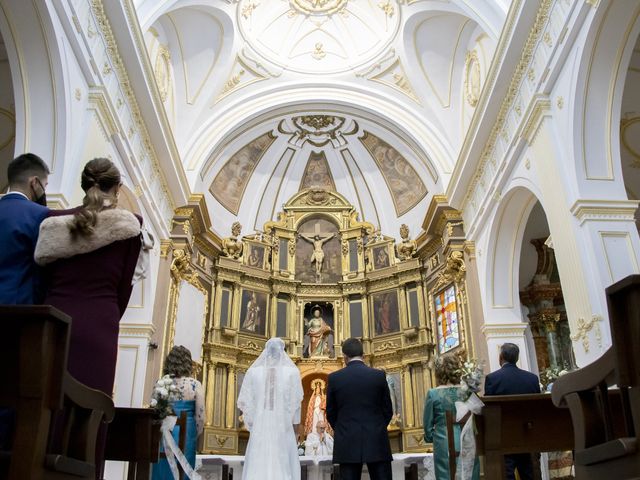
{"x": 630, "y": 130}
{"x": 7, "y": 116}
{"x": 542, "y": 300}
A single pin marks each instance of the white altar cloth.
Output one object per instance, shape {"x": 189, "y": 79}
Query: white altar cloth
{"x": 318, "y": 468}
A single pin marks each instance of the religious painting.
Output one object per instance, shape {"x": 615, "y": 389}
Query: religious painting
{"x": 253, "y": 312}
{"x": 381, "y": 257}
{"x": 447, "y": 325}
{"x": 256, "y": 256}
{"x": 318, "y": 252}
{"x": 317, "y": 173}
{"x": 314, "y": 404}
{"x": 405, "y": 185}
{"x": 318, "y": 330}
{"x": 231, "y": 181}
{"x": 385, "y": 312}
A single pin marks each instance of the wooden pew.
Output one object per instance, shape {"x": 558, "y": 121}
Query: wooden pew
{"x": 607, "y": 421}
{"x": 520, "y": 424}
{"x": 134, "y": 437}
{"x": 71, "y": 449}
{"x": 35, "y": 383}
{"x": 33, "y": 359}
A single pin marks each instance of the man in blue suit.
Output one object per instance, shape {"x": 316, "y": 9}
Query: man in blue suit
{"x": 511, "y": 380}
{"x": 22, "y": 210}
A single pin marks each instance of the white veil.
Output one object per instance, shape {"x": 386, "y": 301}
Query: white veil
{"x": 270, "y": 400}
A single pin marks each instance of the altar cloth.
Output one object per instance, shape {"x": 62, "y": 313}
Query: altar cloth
{"x": 210, "y": 466}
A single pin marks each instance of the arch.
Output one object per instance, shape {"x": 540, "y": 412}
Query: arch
{"x": 260, "y": 106}
{"x": 317, "y": 215}
{"x": 36, "y": 59}
{"x": 506, "y": 233}
{"x": 598, "y": 85}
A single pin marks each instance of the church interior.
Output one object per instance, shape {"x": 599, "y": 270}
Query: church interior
{"x": 430, "y": 176}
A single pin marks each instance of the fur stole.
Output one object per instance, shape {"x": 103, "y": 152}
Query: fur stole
{"x": 55, "y": 240}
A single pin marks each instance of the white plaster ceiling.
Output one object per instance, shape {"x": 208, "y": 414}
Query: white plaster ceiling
{"x": 229, "y": 70}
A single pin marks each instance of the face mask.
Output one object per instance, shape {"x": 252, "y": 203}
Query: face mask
{"x": 42, "y": 199}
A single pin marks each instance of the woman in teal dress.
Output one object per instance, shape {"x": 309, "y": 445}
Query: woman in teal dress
{"x": 179, "y": 366}
{"x": 439, "y": 401}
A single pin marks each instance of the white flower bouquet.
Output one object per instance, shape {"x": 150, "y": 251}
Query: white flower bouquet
{"x": 164, "y": 392}
{"x": 549, "y": 375}
{"x": 471, "y": 375}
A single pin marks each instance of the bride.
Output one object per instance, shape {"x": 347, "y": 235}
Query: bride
{"x": 270, "y": 400}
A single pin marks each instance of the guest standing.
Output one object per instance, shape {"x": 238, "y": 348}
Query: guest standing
{"x": 511, "y": 380}
{"x": 359, "y": 411}
{"x": 441, "y": 400}
{"x": 22, "y": 210}
{"x": 179, "y": 366}
{"x": 90, "y": 257}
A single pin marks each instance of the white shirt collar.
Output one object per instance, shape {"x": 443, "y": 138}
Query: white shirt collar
{"x": 17, "y": 193}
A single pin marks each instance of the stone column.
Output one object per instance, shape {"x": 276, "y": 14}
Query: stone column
{"x": 209, "y": 397}
{"x": 231, "y": 396}
{"x": 407, "y": 395}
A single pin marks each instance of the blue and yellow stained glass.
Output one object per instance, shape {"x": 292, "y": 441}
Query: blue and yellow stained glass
{"x": 448, "y": 329}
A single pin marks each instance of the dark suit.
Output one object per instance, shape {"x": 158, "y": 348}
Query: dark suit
{"x": 359, "y": 411}
{"x": 511, "y": 380}
{"x": 20, "y": 221}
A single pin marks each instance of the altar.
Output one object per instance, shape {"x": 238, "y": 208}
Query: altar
{"x": 314, "y": 276}
{"x": 317, "y": 468}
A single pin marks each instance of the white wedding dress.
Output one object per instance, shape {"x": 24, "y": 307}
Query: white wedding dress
{"x": 270, "y": 400}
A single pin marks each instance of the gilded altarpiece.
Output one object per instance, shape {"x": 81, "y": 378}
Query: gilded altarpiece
{"x": 315, "y": 276}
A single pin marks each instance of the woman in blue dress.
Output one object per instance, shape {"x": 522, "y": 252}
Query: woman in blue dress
{"x": 179, "y": 366}
{"x": 439, "y": 401}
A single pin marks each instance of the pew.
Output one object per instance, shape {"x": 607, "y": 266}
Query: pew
{"x": 606, "y": 420}
{"x": 72, "y": 440}
{"x": 33, "y": 363}
{"x": 134, "y": 437}
{"x": 520, "y": 424}
{"x": 33, "y": 359}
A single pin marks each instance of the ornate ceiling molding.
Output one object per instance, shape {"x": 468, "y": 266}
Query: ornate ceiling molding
{"x": 318, "y": 130}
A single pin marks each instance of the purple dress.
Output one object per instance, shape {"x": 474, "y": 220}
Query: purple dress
{"x": 93, "y": 286}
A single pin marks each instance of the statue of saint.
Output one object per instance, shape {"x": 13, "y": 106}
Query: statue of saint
{"x": 251, "y": 319}
{"x": 393, "y": 392}
{"x": 317, "y": 409}
{"x": 318, "y": 255}
{"x": 318, "y": 341}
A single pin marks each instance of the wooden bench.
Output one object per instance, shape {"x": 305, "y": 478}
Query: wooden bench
{"x": 606, "y": 421}
{"x": 512, "y": 424}
{"x": 134, "y": 437}
{"x": 35, "y": 384}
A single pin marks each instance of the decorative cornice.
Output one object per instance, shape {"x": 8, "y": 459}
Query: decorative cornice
{"x": 539, "y": 107}
{"x": 533, "y": 38}
{"x": 115, "y": 59}
{"x": 498, "y": 330}
{"x": 145, "y": 330}
{"x": 605, "y": 210}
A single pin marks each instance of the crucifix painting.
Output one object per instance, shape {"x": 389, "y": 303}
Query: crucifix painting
{"x": 318, "y": 252}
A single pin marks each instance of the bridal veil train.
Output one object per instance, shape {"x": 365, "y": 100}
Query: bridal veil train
{"x": 270, "y": 400}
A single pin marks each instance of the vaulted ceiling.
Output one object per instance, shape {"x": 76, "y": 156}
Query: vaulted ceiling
{"x": 369, "y": 97}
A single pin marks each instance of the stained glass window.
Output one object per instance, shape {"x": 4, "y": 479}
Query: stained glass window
{"x": 448, "y": 328}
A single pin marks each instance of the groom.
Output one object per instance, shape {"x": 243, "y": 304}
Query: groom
{"x": 359, "y": 410}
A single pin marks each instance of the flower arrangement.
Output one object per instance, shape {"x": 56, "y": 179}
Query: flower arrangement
{"x": 549, "y": 375}
{"x": 165, "y": 392}
{"x": 301, "y": 448}
{"x": 471, "y": 374}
